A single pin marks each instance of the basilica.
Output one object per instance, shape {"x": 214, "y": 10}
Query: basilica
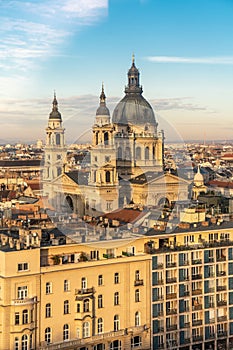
{"x": 126, "y": 159}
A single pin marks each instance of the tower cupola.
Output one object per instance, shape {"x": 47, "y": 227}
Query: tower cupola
{"x": 55, "y": 114}
{"x": 102, "y": 113}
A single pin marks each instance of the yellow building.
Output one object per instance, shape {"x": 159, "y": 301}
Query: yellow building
{"x": 76, "y": 297}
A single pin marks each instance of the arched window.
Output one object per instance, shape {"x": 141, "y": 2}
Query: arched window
{"x": 48, "y": 310}
{"x": 107, "y": 176}
{"x": 66, "y": 285}
{"x": 58, "y": 139}
{"x": 116, "y": 323}
{"x": 100, "y": 280}
{"x": 47, "y": 335}
{"x": 106, "y": 138}
{"x": 86, "y": 305}
{"x": 66, "y": 332}
{"x": 137, "y": 295}
{"x": 25, "y": 317}
{"x": 115, "y": 345}
{"x": 116, "y": 298}
{"x": 138, "y": 153}
{"x": 137, "y": 319}
{"x": 137, "y": 275}
{"x": 94, "y": 176}
{"x": 86, "y": 329}
{"x": 127, "y": 153}
{"x": 119, "y": 153}
{"x": 16, "y": 345}
{"x": 153, "y": 152}
{"x": 84, "y": 283}
{"x": 100, "y": 325}
{"x": 100, "y": 301}
{"x": 97, "y": 138}
{"x": 66, "y": 307}
{"x": 147, "y": 153}
{"x": 24, "y": 342}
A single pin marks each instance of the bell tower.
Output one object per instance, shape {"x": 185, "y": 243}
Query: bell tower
{"x": 103, "y": 177}
{"x": 55, "y": 149}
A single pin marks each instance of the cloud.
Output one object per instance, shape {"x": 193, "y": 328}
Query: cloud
{"x": 178, "y": 103}
{"x": 31, "y": 32}
{"x": 225, "y": 60}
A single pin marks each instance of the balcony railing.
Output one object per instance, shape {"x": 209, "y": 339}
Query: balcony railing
{"x": 160, "y": 281}
{"x": 222, "y": 334}
{"x": 171, "y": 295}
{"x": 221, "y": 288}
{"x": 187, "y": 340}
{"x": 212, "y": 320}
{"x": 221, "y": 273}
{"x": 197, "y": 276}
{"x": 221, "y": 258}
{"x": 222, "y": 318}
{"x": 197, "y": 322}
{"x": 138, "y": 283}
{"x": 196, "y": 291}
{"x": 197, "y": 338}
{"x": 221, "y": 302}
{"x": 186, "y": 293}
{"x": 171, "y": 264}
{"x": 171, "y": 311}
{"x": 197, "y": 307}
{"x": 172, "y": 327}
{"x": 160, "y": 329}
{"x": 159, "y": 266}
{"x": 24, "y": 301}
{"x": 210, "y": 290}
{"x": 186, "y": 324}
{"x": 196, "y": 261}
{"x": 84, "y": 291}
{"x": 171, "y": 280}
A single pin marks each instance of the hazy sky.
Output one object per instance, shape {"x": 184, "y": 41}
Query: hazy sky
{"x": 183, "y": 49}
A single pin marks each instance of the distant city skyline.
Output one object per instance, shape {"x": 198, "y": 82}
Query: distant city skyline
{"x": 182, "y": 49}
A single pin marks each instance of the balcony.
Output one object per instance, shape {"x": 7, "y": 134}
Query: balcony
{"x": 211, "y": 336}
{"x": 159, "y": 266}
{"x": 159, "y": 282}
{"x": 160, "y": 329}
{"x": 197, "y": 307}
{"x": 161, "y": 346}
{"x": 197, "y": 276}
{"x": 186, "y": 293}
{"x": 196, "y": 291}
{"x": 197, "y": 322}
{"x": 210, "y": 306}
{"x": 185, "y": 263}
{"x": 160, "y": 313}
{"x": 71, "y": 344}
{"x": 171, "y": 280}
{"x": 221, "y": 302}
{"x": 197, "y": 338}
{"x": 172, "y": 327}
{"x": 187, "y": 340}
{"x": 186, "y": 325}
{"x": 221, "y": 273}
{"x": 221, "y": 288}
{"x": 138, "y": 283}
{"x": 170, "y": 264}
{"x": 210, "y": 290}
{"x": 212, "y": 320}
{"x": 25, "y": 301}
{"x": 196, "y": 261}
{"x": 222, "y": 318}
{"x": 171, "y": 311}
{"x": 222, "y": 334}
{"x": 84, "y": 291}
{"x": 171, "y": 296}
{"x": 221, "y": 258}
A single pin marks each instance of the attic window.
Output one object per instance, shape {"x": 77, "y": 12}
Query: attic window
{"x": 22, "y": 266}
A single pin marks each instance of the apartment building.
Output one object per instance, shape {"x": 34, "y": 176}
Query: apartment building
{"x": 192, "y": 289}
{"x": 76, "y": 297}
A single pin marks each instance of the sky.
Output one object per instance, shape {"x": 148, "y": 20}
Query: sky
{"x": 182, "y": 48}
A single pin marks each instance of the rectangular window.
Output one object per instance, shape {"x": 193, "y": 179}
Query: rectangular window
{"x": 100, "y": 301}
{"x": 48, "y": 288}
{"x": 100, "y": 280}
{"x": 66, "y": 285}
{"x": 116, "y": 278}
{"x": 22, "y": 292}
{"x": 22, "y": 266}
{"x": 16, "y": 318}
